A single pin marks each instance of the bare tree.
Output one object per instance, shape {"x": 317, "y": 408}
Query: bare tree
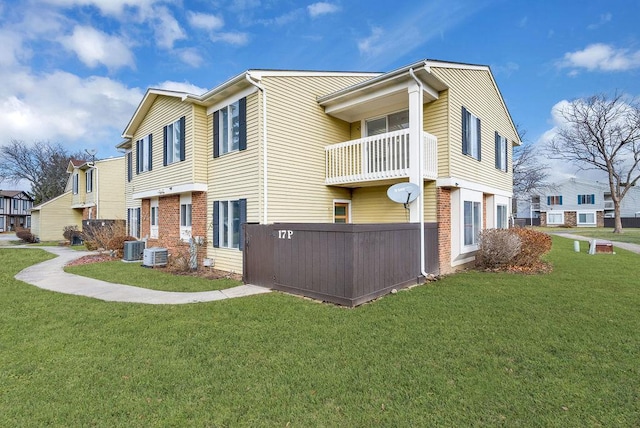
{"x": 602, "y": 133}
{"x": 530, "y": 174}
{"x": 42, "y": 164}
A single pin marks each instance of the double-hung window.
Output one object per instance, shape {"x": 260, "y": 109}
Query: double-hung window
{"x": 185, "y": 217}
{"x": 154, "y": 219}
{"x": 388, "y": 123}
{"x": 75, "y": 183}
{"x": 89, "y": 178}
{"x": 555, "y": 217}
{"x": 586, "y": 199}
{"x": 587, "y": 218}
{"x": 174, "y": 142}
{"x": 501, "y": 152}
{"x": 554, "y": 200}
{"x": 501, "y": 217}
{"x": 470, "y": 134}
{"x": 472, "y": 222}
{"x": 230, "y": 128}
{"x": 228, "y": 217}
{"x": 133, "y": 222}
{"x": 143, "y": 154}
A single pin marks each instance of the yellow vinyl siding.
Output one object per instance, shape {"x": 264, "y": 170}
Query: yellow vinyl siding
{"x": 109, "y": 181}
{"x": 80, "y": 197}
{"x": 475, "y": 90}
{"x": 202, "y": 144}
{"x": 164, "y": 111}
{"x": 54, "y": 215}
{"x": 436, "y": 122}
{"x": 372, "y": 205}
{"x": 298, "y": 131}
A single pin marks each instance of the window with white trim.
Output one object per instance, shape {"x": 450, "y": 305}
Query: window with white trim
{"x": 470, "y": 134}
{"x": 472, "y": 221}
{"x": 586, "y": 199}
{"x": 75, "y": 183}
{"x": 154, "y": 218}
{"x": 554, "y": 200}
{"x": 144, "y": 153}
{"x": 230, "y": 128}
{"x": 89, "y": 179}
{"x": 555, "y": 218}
{"x": 185, "y": 217}
{"x": 502, "y": 219}
{"x": 391, "y": 122}
{"x": 174, "y": 142}
{"x": 228, "y": 217}
{"x": 1, "y": 203}
{"x": 501, "y": 152}
{"x": 586, "y": 218}
{"x": 133, "y": 221}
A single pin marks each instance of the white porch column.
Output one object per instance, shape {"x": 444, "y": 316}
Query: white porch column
{"x": 415, "y": 147}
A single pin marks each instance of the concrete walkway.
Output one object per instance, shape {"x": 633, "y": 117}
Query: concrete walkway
{"x": 50, "y": 275}
{"x": 635, "y": 248}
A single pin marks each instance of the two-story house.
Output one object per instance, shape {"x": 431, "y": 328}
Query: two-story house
{"x": 581, "y": 203}
{"x": 14, "y": 210}
{"x": 271, "y": 146}
{"x": 94, "y": 190}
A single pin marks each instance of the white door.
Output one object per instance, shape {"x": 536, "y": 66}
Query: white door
{"x": 153, "y": 230}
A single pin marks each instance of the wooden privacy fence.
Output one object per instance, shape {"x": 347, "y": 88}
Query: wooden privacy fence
{"x": 630, "y": 222}
{"x": 347, "y": 264}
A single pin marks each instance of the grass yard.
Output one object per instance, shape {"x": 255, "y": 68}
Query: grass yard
{"x": 630, "y": 235}
{"x": 473, "y": 349}
{"x": 155, "y": 279}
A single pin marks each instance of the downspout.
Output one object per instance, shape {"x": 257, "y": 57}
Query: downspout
{"x": 421, "y": 172}
{"x": 264, "y": 146}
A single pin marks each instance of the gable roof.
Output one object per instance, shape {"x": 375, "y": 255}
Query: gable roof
{"x": 14, "y": 193}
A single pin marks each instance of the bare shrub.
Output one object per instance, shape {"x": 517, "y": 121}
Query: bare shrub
{"x": 116, "y": 245}
{"x": 534, "y": 245}
{"x": 71, "y": 233}
{"x": 25, "y": 235}
{"x": 497, "y": 248}
{"x": 99, "y": 236}
{"x": 184, "y": 257}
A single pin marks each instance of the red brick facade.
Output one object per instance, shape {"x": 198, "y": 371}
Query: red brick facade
{"x": 444, "y": 229}
{"x": 169, "y": 222}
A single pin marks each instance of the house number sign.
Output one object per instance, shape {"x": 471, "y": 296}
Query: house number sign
{"x": 285, "y": 234}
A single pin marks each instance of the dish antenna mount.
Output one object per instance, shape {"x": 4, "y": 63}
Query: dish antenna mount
{"x": 403, "y": 193}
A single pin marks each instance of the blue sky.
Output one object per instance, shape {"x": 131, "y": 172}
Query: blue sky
{"x": 73, "y": 71}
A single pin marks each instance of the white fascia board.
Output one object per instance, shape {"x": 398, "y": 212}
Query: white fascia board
{"x": 171, "y": 190}
{"x": 244, "y": 93}
{"x": 259, "y": 74}
{"x": 465, "y": 184}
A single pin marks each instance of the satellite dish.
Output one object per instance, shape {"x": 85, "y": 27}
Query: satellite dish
{"x": 403, "y": 193}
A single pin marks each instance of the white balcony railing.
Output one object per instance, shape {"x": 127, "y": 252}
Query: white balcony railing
{"x": 379, "y": 157}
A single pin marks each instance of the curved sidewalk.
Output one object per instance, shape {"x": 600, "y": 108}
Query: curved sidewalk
{"x": 50, "y": 275}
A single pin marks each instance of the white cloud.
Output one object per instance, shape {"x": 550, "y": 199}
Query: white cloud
{"x": 604, "y": 18}
{"x": 182, "y": 87}
{"x": 371, "y": 45}
{"x": 191, "y": 57}
{"x": 167, "y": 28}
{"x": 233, "y": 38}
{"x": 508, "y": 69}
{"x": 93, "y": 110}
{"x": 322, "y": 8}
{"x": 601, "y": 57}
{"x": 94, "y": 47}
{"x": 12, "y": 48}
{"x": 106, "y": 7}
{"x": 205, "y": 21}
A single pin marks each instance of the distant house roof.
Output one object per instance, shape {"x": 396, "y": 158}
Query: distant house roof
{"x": 14, "y": 193}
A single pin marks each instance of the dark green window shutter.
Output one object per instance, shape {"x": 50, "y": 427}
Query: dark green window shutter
{"x": 216, "y": 224}
{"x": 579, "y": 199}
{"x": 164, "y": 146}
{"x": 479, "y": 141}
{"x": 150, "y": 151}
{"x": 182, "y": 138}
{"x": 548, "y": 200}
{"x": 129, "y": 166}
{"x": 465, "y": 136}
{"x": 560, "y": 200}
{"x": 216, "y": 133}
{"x": 242, "y": 123}
{"x": 497, "y": 150}
{"x": 138, "y": 144}
{"x": 243, "y": 220}
{"x": 593, "y": 198}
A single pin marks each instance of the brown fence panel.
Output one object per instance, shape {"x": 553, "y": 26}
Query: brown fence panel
{"x": 347, "y": 264}
{"x": 630, "y": 222}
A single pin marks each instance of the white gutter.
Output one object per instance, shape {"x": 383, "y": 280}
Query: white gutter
{"x": 421, "y": 172}
{"x": 264, "y": 146}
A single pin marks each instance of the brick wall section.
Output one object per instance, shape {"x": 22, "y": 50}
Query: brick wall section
{"x": 484, "y": 211}
{"x": 543, "y": 219}
{"x": 570, "y": 218}
{"x": 600, "y": 219}
{"x": 169, "y": 223}
{"x": 444, "y": 229}
{"x": 85, "y": 213}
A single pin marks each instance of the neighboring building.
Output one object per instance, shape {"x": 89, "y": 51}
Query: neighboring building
{"x": 14, "y": 210}
{"x": 321, "y": 147}
{"x": 581, "y": 203}
{"x": 94, "y": 190}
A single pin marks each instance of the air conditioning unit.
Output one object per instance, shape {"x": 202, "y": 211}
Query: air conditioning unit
{"x": 155, "y": 256}
{"x": 133, "y": 250}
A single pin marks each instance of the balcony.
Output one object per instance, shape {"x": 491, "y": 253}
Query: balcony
{"x": 379, "y": 157}
{"x": 608, "y": 205}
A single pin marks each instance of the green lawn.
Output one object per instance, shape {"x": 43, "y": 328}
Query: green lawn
{"x": 474, "y": 349}
{"x": 630, "y": 235}
{"x": 135, "y": 274}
